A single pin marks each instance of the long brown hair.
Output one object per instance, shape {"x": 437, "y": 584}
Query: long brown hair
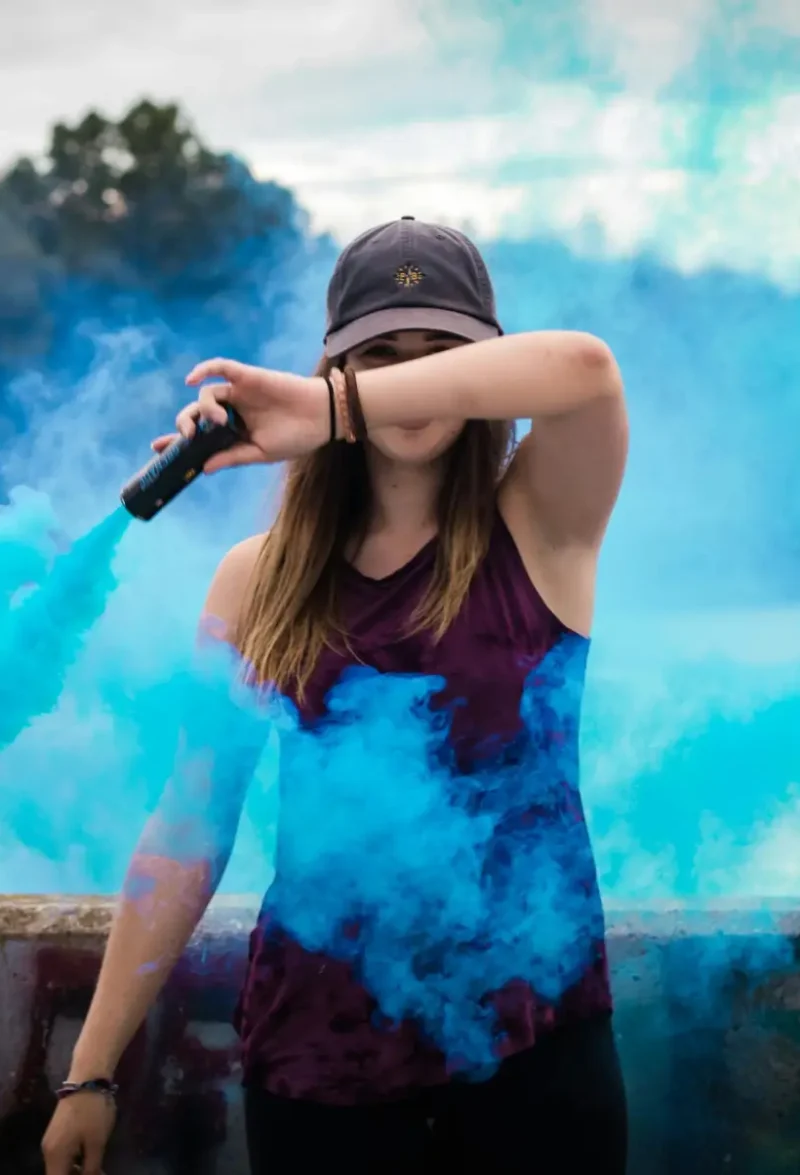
{"x": 291, "y": 611}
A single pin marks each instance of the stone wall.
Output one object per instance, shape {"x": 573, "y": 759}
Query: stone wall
{"x": 708, "y": 1020}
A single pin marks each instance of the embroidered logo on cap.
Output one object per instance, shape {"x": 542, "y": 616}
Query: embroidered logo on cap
{"x": 409, "y": 275}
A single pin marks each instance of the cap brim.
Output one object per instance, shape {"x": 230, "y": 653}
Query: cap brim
{"x": 384, "y": 322}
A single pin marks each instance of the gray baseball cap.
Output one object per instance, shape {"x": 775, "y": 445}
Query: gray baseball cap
{"x": 408, "y": 275}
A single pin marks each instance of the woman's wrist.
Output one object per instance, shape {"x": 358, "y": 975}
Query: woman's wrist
{"x": 78, "y": 1074}
{"x": 319, "y": 398}
{"x": 90, "y": 1065}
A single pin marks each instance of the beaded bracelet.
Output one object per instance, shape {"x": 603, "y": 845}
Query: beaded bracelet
{"x": 96, "y": 1085}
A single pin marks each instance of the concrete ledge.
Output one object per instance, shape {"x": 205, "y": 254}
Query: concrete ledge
{"x": 85, "y": 916}
{"x": 708, "y": 1020}
{"x": 56, "y": 914}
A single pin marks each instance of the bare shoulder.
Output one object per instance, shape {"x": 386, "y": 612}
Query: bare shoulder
{"x": 231, "y": 580}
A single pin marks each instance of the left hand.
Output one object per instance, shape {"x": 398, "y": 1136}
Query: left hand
{"x": 285, "y": 415}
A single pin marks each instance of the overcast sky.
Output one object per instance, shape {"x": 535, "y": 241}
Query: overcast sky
{"x": 675, "y": 126}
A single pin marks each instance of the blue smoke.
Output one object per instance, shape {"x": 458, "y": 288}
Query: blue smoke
{"x": 42, "y": 633}
{"x": 690, "y": 732}
{"x": 688, "y": 724}
{"x": 454, "y": 890}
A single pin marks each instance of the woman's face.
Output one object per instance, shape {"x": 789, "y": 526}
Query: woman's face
{"x": 427, "y": 439}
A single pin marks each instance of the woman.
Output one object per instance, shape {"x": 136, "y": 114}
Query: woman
{"x": 427, "y": 547}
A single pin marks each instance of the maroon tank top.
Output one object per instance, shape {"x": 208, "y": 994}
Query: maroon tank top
{"x": 310, "y": 1026}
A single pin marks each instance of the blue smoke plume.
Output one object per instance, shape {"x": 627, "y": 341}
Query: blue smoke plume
{"x": 42, "y": 633}
{"x": 453, "y": 895}
{"x": 690, "y": 732}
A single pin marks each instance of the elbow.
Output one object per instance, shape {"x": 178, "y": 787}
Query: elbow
{"x": 578, "y": 361}
{"x": 596, "y": 361}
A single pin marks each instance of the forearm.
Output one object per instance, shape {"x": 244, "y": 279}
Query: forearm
{"x": 523, "y": 376}
{"x": 178, "y": 864}
{"x": 162, "y": 902}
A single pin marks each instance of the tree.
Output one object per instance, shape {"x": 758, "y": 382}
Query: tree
{"x": 136, "y": 229}
{"x": 123, "y": 216}
{"x": 143, "y": 204}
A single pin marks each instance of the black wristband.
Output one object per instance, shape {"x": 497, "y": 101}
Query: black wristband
{"x": 96, "y": 1085}
{"x": 332, "y": 405}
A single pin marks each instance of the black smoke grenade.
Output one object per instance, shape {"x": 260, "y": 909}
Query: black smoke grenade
{"x": 171, "y": 471}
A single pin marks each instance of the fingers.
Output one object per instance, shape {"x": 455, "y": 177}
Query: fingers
{"x": 186, "y": 420}
{"x": 227, "y": 369}
{"x": 159, "y": 444}
{"x": 60, "y": 1160}
{"x": 206, "y": 405}
{"x": 92, "y": 1160}
{"x": 76, "y": 1138}
{"x": 242, "y": 454}
{"x": 209, "y": 400}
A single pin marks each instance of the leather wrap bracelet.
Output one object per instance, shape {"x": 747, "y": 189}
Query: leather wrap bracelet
{"x": 340, "y": 396}
{"x": 354, "y": 409}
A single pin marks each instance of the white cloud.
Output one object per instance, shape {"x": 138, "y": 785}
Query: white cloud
{"x": 481, "y": 209}
{"x": 771, "y": 140}
{"x": 371, "y": 111}
{"x": 60, "y": 60}
{"x": 763, "y": 862}
{"x": 575, "y": 167}
{"x": 780, "y": 15}
{"x": 448, "y": 168}
{"x": 648, "y": 43}
{"x": 772, "y": 863}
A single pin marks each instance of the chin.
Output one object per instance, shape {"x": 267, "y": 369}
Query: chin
{"x": 415, "y": 446}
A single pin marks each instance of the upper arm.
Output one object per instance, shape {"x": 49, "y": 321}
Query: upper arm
{"x": 567, "y": 472}
{"x": 228, "y": 589}
{"x": 199, "y": 810}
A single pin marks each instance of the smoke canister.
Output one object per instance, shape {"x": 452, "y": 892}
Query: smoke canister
{"x": 171, "y": 471}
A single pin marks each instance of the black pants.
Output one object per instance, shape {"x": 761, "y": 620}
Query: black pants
{"x": 555, "y": 1109}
